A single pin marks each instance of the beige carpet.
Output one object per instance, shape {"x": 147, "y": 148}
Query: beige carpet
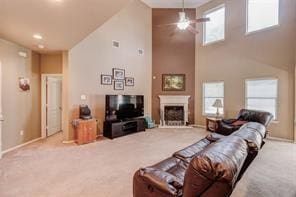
{"x": 105, "y": 168}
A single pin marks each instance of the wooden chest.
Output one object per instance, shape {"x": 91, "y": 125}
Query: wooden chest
{"x": 86, "y": 131}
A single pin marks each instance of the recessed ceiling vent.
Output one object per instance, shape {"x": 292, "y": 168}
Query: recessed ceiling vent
{"x": 115, "y": 44}
{"x": 141, "y": 51}
{"x": 23, "y": 54}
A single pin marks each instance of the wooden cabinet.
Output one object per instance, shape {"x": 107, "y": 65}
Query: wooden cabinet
{"x": 85, "y": 131}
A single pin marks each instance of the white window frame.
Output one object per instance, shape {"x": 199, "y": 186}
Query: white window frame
{"x": 277, "y": 94}
{"x": 203, "y": 98}
{"x": 265, "y": 28}
{"x": 204, "y": 25}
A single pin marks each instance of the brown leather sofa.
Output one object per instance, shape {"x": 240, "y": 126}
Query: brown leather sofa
{"x": 228, "y": 126}
{"x": 210, "y": 168}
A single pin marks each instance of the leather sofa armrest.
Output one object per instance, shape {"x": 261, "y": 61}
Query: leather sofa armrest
{"x": 161, "y": 180}
{"x": 228, "y": 121}
{"x": 213, "y": 137}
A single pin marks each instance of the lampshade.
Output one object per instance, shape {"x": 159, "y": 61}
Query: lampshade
{"x": 218, "y": 103}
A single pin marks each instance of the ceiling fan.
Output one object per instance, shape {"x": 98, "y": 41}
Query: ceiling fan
{"x": 184, "y": 22}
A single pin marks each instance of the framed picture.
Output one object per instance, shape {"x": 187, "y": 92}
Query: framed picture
{"x": 173, "y": 82}
{"x": 24, "y": 84}
{"x": 106, "y": 79}
{"x": 129, "y": 81}
{"x": 118, "y": 85}
{"x": 118, "y": 74}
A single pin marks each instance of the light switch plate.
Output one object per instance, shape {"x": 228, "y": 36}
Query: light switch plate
{"x": 83, "y": 97}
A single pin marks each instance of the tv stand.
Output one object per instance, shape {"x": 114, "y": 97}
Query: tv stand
{"x": 113, "y": 129}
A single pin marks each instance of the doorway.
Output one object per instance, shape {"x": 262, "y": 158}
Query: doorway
{"x": 51, "y": 104}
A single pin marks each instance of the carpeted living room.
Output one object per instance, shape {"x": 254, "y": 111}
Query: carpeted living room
{"x": 148, "y": 98}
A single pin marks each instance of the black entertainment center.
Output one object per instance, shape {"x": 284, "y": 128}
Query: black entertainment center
{"x": 123, "y": 115}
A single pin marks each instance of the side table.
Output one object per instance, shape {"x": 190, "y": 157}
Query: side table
{"x": 212, "y": 123}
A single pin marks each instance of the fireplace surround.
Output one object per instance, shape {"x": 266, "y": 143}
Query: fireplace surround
{"x": 173, "y": 111}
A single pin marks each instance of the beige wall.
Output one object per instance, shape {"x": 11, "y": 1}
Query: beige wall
{"x": 51, "y": 63}
{"x": 65, "y": 97}
{"x": 95, "y": 55}
{"x": 21, "y": 110}
{"x": 295, "y": 80}
{"x": 268, "y": 53}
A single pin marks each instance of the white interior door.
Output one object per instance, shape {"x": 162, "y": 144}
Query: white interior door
{"x": 54, "y": 105}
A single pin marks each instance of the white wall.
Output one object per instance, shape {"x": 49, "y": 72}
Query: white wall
{"x": 94, "y": 56}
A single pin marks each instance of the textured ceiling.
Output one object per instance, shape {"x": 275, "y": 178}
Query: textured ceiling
{"x": 62, "y": 23}
{"x": 174, "y": 3}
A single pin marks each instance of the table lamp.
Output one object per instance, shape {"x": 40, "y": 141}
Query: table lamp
{"x": 218, "y": 104}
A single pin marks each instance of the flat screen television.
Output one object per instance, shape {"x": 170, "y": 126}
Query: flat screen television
{"x": 122, "y": 107}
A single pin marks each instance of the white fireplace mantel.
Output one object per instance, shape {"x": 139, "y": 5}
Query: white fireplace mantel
{"x": 173, "y": 100}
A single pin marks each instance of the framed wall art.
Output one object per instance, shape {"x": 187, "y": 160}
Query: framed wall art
{"x": 118, "y": 85}
{"x": 24, "y": 84}
{"x": 173, "y": 82}
{"x": 106, "y": 79}
{"x": 118, "y": 74}
{"x": 129, "y": 81}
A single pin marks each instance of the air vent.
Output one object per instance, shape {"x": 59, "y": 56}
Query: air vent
{"x": 141, "y": 51}
{"x": 22, "y": 54}
{"x": 115, "y": 44}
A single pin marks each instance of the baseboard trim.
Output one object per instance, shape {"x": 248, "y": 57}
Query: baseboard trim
{"x": 199, "y": 126}
{"x": 68, "y": 141}
{"x": 21, "y": 145}
{"x": 280, "y": 139}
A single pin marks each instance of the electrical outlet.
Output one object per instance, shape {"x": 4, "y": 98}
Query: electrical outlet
{"x": 22, "y": 132}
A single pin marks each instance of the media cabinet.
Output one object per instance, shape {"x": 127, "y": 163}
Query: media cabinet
{"x": 113, "y": 129}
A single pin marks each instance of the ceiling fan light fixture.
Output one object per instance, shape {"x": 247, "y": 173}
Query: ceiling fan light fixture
{"x": 183, "y": 24}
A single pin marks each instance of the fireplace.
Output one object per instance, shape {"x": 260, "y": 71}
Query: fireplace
{"x": 173, "y": 111}
{"x": 174, "y": 115}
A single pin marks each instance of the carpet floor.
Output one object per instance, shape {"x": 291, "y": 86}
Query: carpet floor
{"x": 48, "y": 168}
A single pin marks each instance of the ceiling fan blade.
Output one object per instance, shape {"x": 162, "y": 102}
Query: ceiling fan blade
{"x": 164, "y": 25}
{"x": 172, "y": 34}
{"x": 192, "y": 29}
{"x": 200, "y": 20}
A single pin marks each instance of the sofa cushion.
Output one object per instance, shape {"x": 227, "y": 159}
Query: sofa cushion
{"x": 222, "y": 160}
{"x": 253, "y": 134}
{"x": 239, "y": 123}
{"x": 257, "y": 127}
{"x": 189, "y": 152}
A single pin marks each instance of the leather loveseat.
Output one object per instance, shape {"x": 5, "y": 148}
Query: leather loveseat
{"x": 228, "y": 126}
{"x": 210, "y": 168}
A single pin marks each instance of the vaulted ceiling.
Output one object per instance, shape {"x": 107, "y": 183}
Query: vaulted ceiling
{"x": 62, "y": 23}
{"x": 174, "y": 3}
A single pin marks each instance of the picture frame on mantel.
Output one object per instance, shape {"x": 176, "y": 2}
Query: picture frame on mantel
{"x": 173, "y": 82}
